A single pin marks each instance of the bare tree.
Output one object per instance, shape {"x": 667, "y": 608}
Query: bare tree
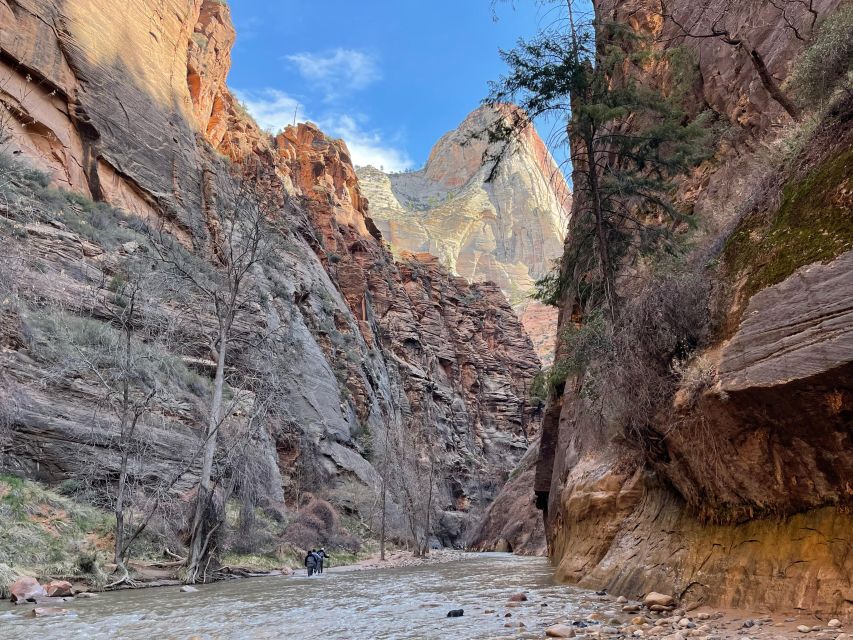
{"x": 414, "y": 471}
{"x": 383, "y": 467}
{"x": 128, "y": 401}
{"x": 112, "y": 338}
{"x": 241, "y": 238}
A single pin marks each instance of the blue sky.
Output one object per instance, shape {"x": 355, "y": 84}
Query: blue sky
{"x": 388, "y": 76}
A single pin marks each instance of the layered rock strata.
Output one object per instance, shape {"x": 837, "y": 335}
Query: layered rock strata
{"x": 508, "y": 230}
{"x": 130, "y": 108}
{"x": 743, "y": 498}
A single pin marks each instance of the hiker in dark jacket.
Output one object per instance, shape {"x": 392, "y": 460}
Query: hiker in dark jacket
{"x": 322, "y": 556}
{"x": 311, "y": 562}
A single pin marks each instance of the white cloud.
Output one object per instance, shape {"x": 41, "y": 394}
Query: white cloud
{"x": 338, "y": 72}
{"x": 273, "y": 110}
{"x": 366, "y": 147}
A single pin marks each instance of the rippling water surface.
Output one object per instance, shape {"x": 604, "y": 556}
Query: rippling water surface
{"x": 377, "y": 604}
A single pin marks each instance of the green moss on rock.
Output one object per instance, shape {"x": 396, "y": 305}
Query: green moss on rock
{"x": 814, "y": 223}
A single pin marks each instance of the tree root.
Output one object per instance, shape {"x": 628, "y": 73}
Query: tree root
{"x": 123, "y": 580}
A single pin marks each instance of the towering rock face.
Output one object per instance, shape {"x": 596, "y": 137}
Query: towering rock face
{"x": 508, "y": 231}
{"x": 743, "y": 499}
{"x": 130, "y": 107}
{"x": 512, "y": 522}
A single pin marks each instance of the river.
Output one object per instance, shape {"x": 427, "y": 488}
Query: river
{"x": 410, "y": 602}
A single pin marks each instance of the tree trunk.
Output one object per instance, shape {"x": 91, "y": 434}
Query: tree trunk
{"x": 124, "y": 436}
{"x": 199, "y": 533}
{"x": 771, "y": 85}
{"x": 119, "y": 508}
{"x": 382, "y": 522}
{"x": 428, "y": 515}
{"x": 600, "y": 232}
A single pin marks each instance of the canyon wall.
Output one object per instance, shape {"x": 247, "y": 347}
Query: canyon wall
{"x": 741, "y": 494}
{"x": 130, "y": 108}
{"x": 508, "y": 230}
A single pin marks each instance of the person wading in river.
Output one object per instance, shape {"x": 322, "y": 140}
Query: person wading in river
{"x": 322, "y": 556}
{"x": 311, "y": 562}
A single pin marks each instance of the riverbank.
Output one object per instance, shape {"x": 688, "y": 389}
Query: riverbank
{"x": 619, "y": 618}
{"x": 48, "y": 535}
{"x": 45, "y": 533}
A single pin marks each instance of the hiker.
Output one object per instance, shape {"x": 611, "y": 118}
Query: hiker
{"x": 311, "y": 562}
{"x": 322, "y": 555}
{"x": 319, "y": 559}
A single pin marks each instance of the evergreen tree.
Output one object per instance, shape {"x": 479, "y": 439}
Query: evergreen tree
{"x": 628, "y": 142}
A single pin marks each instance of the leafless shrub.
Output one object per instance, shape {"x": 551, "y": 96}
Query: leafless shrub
{"x": 826, "y": 66}
{"x": 659, "y": 330}
{"x": 632, "y": 371}
{"x": 344, "y": 542}
{"x": 301, "y": 535}
{"x": 312, "y": 522}
{"x": 316, "y": 524}
{"x": 324, "y": 513}
{"x": 694, "y": 376}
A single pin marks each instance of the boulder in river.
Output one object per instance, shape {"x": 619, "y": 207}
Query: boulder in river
{"x": 502, "y": 546}
{"x": 455, "y": 613}
{"x": 653, "y": 598}
{"x": 26, "y": 589}
{"x": 58, "y": 588}
{"x": 560, "y": 631}
{"x": 188, "y": 589}
{"x": 518, "y": 597}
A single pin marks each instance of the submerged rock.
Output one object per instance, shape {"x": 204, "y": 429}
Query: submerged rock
{"x": 560, "y": 631}
{"x": 47, "y": 612}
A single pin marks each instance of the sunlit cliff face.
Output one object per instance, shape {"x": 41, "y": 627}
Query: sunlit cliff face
{"x": 508, "y": 231}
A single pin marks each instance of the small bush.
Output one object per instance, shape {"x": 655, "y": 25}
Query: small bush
{"x": 345, "y": 542}
{"x": 98, "y": 222}
{"x": 22, "y": 172}
{"x": 695, "y": 376}
{"x": 315, "y": 525}
{"x": 301, "y": 535}
{"x": 827, "y": 63}
{"x": 325, "y": 513}
{"x": 70, "y": 487}
{"x": 87, "y": 562}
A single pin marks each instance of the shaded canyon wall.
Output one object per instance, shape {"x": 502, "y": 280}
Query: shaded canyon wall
{"x": 130, "y": 108}
{"x": 745, "y": 498}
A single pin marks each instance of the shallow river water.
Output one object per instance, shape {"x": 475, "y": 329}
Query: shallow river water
{"x": 409, "y": 602}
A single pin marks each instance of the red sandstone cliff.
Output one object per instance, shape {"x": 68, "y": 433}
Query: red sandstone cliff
{"x": 130, "y": 107}
{"x": 508, "y": 230}
{"x": 742, "y": 496}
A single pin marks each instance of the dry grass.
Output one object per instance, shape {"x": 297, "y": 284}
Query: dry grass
{"x": 44, "y": 534}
